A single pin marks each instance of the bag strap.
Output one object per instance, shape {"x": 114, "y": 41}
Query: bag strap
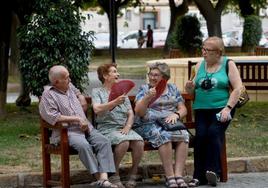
{"x": 227, "y": 67}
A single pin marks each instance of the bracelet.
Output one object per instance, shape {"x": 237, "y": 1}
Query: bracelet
{"x": 178, "y": 114}
{"x": 228, "y": 106}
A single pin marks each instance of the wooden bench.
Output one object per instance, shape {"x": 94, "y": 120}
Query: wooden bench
{"x": 64, "y": 150}
{"x": 254, "y": 73}
{"x": 261, "y": 51}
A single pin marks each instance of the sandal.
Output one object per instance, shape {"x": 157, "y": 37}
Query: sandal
{"x": 194, "y": 183}
{"x": 180, "y": 182}
{"x": 171, "y": 182}
{"x": 105, "y": 184}
{"x": 116, "y": 180}
{"x": 131, "y": 183}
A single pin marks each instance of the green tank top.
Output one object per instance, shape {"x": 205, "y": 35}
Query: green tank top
{"x": 215, "y": 97}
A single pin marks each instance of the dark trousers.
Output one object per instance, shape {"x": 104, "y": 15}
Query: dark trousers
{"x": 208, "y": 143}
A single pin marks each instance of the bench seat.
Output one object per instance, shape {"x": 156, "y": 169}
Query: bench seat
{"x": 64, "y": 150}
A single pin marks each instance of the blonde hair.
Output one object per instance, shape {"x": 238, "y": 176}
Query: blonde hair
{"x": 217, "y": 43}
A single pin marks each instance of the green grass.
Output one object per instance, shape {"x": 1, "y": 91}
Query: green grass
{"x": 248, "y": 133}
{"x": 135, "y": 66}
{"x": 21, "y": 146}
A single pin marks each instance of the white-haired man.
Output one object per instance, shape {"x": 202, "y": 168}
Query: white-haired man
{"x": 62, "y": 102}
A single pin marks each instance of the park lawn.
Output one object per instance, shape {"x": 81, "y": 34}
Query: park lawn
{"x": 21, "y": 146}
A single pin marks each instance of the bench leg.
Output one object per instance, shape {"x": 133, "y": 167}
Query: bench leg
{"x": 65, "y": 166}
{"x": 224, "y": 171}
{"x": 65, "y": 171}
{"x": 46, "y": 169}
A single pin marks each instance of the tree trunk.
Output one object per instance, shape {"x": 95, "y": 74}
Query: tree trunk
{"x": 14, "y": 46}
{"x": 175, "y": 12}
{"x": 212, "y": 15}
{"x": 5, "y": 25}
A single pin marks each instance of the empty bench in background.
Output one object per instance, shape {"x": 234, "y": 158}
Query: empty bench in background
{"x": 261, "y": 51}
{"x": 64, "y": 150}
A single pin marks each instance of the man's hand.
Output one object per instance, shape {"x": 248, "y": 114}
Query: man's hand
{"x": 83, "y": 123}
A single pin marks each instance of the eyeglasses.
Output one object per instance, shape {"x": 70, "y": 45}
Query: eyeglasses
{"x": 151, "y": 75}
{"x": 208, "y": 50}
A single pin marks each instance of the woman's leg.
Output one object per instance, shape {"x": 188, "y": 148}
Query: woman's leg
{"x": 215, "y": 136}
{"x": 181, "y": 153}
{"x": 165, "y": 152}
{"x": 200, "y": 146}
{"x": 137, "y": 148}
{"x": 119, "y": 152}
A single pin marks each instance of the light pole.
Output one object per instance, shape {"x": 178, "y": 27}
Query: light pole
{"x": 112, "y": 30}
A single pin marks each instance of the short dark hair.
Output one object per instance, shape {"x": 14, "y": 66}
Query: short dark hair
{"x": 104, "y": 70}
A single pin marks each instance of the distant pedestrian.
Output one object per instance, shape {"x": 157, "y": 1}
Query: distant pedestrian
{"x": 140, "y": 39}
{"x": 149, "y": 35}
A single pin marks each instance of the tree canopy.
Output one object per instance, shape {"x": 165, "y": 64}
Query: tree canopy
{"x": 52, "y": 36}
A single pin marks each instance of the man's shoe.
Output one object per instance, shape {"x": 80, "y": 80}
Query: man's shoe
{"x": 212, "y": 178}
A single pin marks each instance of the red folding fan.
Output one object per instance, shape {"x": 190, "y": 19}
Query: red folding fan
{"x": 120, "y": 88}
{"x": 160, "y": 88}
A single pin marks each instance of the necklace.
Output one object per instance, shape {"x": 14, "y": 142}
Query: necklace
{"x": 214, "y": 68}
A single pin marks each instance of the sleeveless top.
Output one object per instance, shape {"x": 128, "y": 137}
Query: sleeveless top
{"x": 217, "y": 96}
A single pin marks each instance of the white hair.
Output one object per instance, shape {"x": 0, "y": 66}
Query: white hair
{"x": 56, "y": 72}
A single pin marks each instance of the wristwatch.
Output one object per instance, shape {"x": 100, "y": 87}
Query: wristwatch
{"x": 229, "y": 106}
{"x": 178, "y": 114}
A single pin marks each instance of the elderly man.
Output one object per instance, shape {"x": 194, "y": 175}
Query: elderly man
{"x": 62, "y": 102}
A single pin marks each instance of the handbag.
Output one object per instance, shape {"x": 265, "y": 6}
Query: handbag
{"x": 169, "y": 126}
{"x": 244, "y": 97}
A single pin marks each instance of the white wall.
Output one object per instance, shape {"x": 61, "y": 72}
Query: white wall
{"x": 99, "y": 23}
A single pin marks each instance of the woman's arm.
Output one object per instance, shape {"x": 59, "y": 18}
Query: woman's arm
{"x": 235, "y": 82}
{"x": 178, "y": 115}
{"x": 190, "y": 85}
{"x": 129, "y": 122}
{"x": 100, "y": 108}
{"x": 142, "y": 105}
{"x": 236, "y": 85}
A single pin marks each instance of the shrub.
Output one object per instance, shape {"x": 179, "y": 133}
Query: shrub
{"x": 52, "y": 36}
{"x": 252, "y": 33}
{"x": 187, "y": 35}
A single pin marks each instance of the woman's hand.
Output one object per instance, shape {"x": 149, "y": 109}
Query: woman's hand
{"x": 119, "y": 100}
{"x": 225, "y": 115}
{"x": 172, "y": 118}
{"x": 125, "y": 130}
{"x": 151, "y": 93}
{"x": 189, "y": 86}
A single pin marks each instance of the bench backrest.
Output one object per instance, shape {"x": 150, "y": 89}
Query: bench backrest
{"x": 188, "y": 99}
{"x": 254, "y": 73}
{"x": 261, "y": 51}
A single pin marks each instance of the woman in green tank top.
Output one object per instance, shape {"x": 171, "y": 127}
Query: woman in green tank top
{"x": 214, "y": 108}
